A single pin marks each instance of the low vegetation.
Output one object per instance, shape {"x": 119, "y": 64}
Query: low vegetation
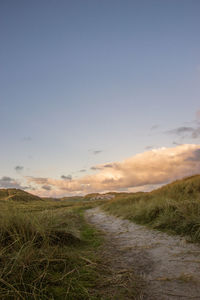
{"x": 17, "y": 195}
{"x": 47, "y": 250}
{"x": 173, "y": 208}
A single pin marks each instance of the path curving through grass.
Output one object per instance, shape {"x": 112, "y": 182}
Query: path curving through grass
{"x": 169, "y": 265}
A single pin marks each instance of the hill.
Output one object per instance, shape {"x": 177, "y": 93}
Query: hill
{"x": 185, "y": 188}
{"x": 174, "y": 207}
{"x": 17, "y": 195}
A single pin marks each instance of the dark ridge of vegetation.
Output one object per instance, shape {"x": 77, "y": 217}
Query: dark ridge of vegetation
{"x": 17, "y": 195}
{"x": 174, "y": 207}
{"x": 72, "y": 198}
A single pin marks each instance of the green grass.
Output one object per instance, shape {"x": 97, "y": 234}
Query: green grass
{"x": 17, "y": 195}
{"x": 174, "y": 208}
{"x": 47, "y": 252}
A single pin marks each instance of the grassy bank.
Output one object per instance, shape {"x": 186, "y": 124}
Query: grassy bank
{"x": 47, "y": 253}
{"x": 173, "y": 208}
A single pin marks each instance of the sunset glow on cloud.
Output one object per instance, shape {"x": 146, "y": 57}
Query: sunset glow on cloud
{"x": 154, "y": 167}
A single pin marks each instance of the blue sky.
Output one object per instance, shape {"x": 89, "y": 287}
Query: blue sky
{"x": 84, "y": 76}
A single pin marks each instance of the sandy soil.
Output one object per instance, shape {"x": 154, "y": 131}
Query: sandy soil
{"x": 169, "y": 265}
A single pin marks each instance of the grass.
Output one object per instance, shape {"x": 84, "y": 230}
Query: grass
{"x": 47, "y": 252}
{"x": 174, "y": 208}
{"x": 17, "y": 195}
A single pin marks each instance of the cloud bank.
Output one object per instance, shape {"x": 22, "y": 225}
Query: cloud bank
{"x": 139, "y": 172}
{"x": 8, "y": 182}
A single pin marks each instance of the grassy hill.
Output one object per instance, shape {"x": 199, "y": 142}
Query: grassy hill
{"x": 174, "y": 207}
{"x": 17, "y": 195}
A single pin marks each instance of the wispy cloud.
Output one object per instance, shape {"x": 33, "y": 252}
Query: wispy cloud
{"x": 149, "y": 147}
{"x": 198, "y": 115}
{"x": 27, "y": 139}
{"x": 181, "y": 130}
{"x": 47, "y": 187}
{"x": 94, "y": 168}
{"x": 95, "y": 152}
{"x": 108, "y": 165}
{"x": 150, "y": 168}
{"x": 68, "y": 177}
{"x": 37, "y": 180}
{"x": 19, "y": 168}
{"x": 154, "y": 127}
{"x": 192, "y": 131}
{"x": 185, "y": 131}
{"x": 176, "y": 143}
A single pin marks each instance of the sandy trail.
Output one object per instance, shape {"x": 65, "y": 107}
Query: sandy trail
{"x": 169, "y": 265}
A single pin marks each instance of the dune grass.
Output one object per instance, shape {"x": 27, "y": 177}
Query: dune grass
{"x": 47, "y": 253}
{"x": 173, "y": 208}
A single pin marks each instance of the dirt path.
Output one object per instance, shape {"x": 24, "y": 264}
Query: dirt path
{"x": 169, "y": 265}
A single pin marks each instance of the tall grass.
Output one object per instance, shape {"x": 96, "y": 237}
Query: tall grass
{"x": 174, "y": 208}
{"x": 44, "y": 255}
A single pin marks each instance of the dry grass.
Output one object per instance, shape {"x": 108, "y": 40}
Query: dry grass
{"x": 48, "y": 251}
{"x": 44, "y": 253}
{"x": 174, "y": 208}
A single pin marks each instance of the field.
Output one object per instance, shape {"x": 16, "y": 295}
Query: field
{"x": 174, "y": 208}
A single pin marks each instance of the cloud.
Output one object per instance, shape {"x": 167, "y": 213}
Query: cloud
{"x": 95, "y": 168}
{"x": 195, "y": 156}
{"x": 8, "y": 182}
{"x": 196, "y": 133}
{"x": 149, "y": 147}
{"x": 108, "y": 166}
{"x": 181, "y": 130}
{"x": 82, "y": 170}
{"x": 19, "y": 168}
{"x": 6, "y": 179}
{"x": 100, "y": 167}
{"x": 176, "y": 143}
{"x": 141, "y": 171}
{"x": 185, "y": 131}
{"x": 37, "y": 180}
{"x": 27, "y": 139}
{"x": 68, "y": 177}
{"x": 47, "y": 187}
{"x": 198, "y": 115}
{"x": 95, "y": 152}
{"x": 154, "y": 127}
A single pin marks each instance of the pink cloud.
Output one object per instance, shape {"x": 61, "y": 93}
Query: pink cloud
{"x": 138, "y": 172}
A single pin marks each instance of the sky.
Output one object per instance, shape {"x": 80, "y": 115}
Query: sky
{"x": 97, "y": 95}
